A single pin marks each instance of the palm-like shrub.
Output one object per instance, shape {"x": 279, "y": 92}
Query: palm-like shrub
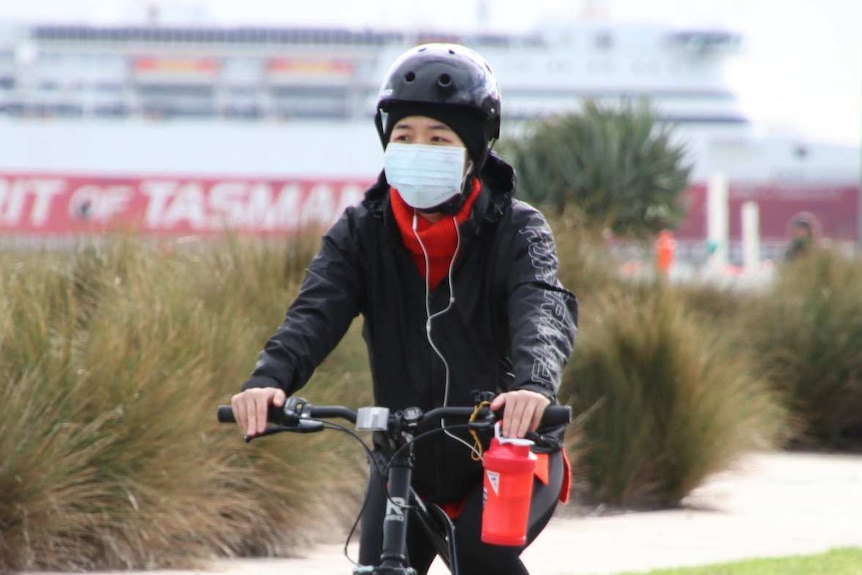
{"x": 664, "y": 400}
{"x": 617, "y": 165}
{"x": 807, "y": 335}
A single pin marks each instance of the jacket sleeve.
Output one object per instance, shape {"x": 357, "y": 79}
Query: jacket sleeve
{"x": 543, "y": 315}
{"x": 330, "y": 296}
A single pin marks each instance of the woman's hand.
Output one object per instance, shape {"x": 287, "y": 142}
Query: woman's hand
{"x": 524, "y": 411}
{"x": 250, "y": 407}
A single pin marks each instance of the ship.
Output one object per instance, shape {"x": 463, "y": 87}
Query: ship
{"x": 195, "y": 130}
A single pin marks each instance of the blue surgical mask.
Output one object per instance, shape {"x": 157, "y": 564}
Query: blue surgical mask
{"x": 425, "y": 176}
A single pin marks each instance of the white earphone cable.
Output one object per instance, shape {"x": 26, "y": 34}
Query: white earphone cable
{"x": 429, "y": 316}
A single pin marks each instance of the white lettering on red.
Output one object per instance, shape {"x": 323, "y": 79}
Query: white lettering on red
{"x": 101, "y": 204}
{"x": 44, "y": 191}
{"x": 227, "y": 204}
{"x": 267, "y": 214}
{"x": 158, "y": 194}
{"x": 319, "y": 207}
{"x": 12, "y": 202}
{"x": 14, "y": 196}
{"x": 188, "y": 206}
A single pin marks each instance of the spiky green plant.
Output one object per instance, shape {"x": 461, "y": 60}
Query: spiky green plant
{"x": 807, "y": 336}
{"x": 665, "y": 402}
{"x": 618, "y": 165}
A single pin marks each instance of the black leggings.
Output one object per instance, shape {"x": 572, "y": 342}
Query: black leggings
{"x": 474, "y": 556}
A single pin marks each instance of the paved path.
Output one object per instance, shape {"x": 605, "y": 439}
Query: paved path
{"x": 773, "y": 505}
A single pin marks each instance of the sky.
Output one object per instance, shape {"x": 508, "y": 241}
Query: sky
{"x": 800, "y": 67}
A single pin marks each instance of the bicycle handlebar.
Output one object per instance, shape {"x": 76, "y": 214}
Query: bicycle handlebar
{"x": 554, "y": 415}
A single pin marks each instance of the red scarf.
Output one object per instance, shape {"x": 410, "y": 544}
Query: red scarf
{"x": 440, "y": 238}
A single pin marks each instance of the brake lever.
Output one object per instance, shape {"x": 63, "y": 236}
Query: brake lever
{"x": 485, "y": 419}
{"x": 481, "y": 424}
{"x": 543, "y": 442}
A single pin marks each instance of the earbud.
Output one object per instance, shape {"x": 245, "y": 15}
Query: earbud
{"x": 415, "y": 221}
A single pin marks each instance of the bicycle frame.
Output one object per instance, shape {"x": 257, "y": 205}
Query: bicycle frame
{"x": 402, "y": 502}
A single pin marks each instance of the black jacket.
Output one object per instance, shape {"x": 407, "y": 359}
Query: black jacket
{"x": 505, "y": 282}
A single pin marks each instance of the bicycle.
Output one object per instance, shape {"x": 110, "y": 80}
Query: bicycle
{"x": 404, "y": 427}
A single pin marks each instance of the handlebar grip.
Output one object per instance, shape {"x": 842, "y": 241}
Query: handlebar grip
{"x": 557, "y": 415}
{"x": 225, "y": 414}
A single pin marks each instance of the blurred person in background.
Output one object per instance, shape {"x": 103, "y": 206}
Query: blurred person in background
{"x": 457, "y": 284}
{"x": 802, "y": 236}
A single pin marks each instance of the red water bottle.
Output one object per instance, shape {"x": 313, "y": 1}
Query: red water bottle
{"x": 509, "y": 467}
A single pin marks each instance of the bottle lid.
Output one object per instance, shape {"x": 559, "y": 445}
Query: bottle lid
{"x": 518, "y": 441}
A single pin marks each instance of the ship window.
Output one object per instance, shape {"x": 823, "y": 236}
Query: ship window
{"x": 604, "y": 41}
{"x": 110, "y": 87}
{"x": 111, "y": 111}
{"x": 177, "y": 90}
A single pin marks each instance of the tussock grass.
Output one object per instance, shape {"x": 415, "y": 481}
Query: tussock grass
{"x": 665, "y": 400}
{"x": 112, "y": 361}
{"x": 587, "y": 265}
{"x": 807, "y": 336}
{"x": 663, "y": 391}
{"x": 720, "y": 306}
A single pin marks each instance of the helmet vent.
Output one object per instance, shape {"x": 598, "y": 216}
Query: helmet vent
{"x": 451, "y": 51}
{"x": 445, "y": 80}
{"x": 410, "y": 76}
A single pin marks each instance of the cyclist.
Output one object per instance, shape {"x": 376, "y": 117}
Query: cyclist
{"x": 457, "y": 285}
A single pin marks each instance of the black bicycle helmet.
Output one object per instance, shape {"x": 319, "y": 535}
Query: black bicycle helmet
{"x": 447, "y": 81}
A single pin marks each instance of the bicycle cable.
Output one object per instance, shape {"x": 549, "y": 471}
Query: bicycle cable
{"x": 385, "y": 470}
{"x": 381, "y": 472}
{"x": 424, "y": 435}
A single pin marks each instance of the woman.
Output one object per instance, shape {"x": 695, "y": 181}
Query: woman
{"x": 457, "y": 285}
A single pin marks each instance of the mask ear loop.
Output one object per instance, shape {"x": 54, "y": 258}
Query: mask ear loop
{"x": 466, "y": 180}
